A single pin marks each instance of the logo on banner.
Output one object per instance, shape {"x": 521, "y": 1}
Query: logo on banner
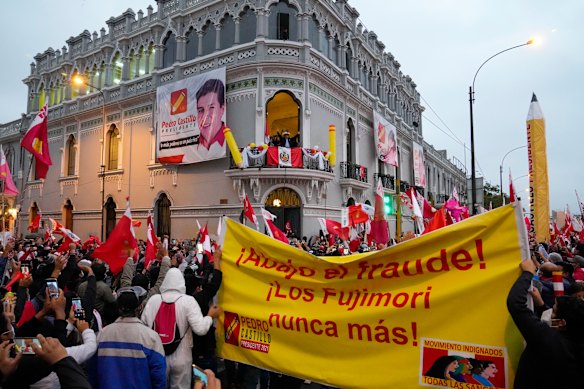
{"x": 178, "y": 101}
{"x": 246, "y": 332}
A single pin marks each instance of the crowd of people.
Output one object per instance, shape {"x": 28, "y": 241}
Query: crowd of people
{"x": 67, "y": 322}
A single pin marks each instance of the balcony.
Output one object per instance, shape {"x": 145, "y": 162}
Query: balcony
{"x": 262, "y": 159}
{"x": 387, "y": 181}
{"x": 404, "y": 186}
{"x": 350, "y": 170}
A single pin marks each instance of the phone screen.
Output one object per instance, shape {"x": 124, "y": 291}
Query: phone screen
{"x": 53, "y": 287}
{"x": 25, "y": 270}
{"x": 24, "y": 345}
{"x": 199, "y": 248}
{"x": 77, "y": 308}
{"x": 200, "y": 375}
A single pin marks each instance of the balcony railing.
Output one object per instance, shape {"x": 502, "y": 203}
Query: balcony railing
{"x": 353, "y": 171}
{"x": 441, "y": 198}
{"x": 262, "y": 162}
{"x": 387, "y": 181}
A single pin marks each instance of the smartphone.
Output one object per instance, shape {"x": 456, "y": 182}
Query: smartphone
{"x": 25, "y": 270}
{"x": 53, "y": 287}
{"x": 200, "y": 375}
{"x": 24, "y": 345}
{"x": 199, "y": 248}
{"x": 77, "y": 308}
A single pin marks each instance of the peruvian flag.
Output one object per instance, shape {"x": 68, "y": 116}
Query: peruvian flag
{"x": 36, "y": 222}
{"x": 92, "y": 240}
{"x": 273, "y": 231}
{"x": 418, "y": 217}
{"x": 9, "y": 186}
{"x": 36, "y": 141}
{"x": 206, "y": 241}
{"x": 68, "y": 235}
{"x": 121, "y": 238}
{"x": 379, "y": 227}
{"x": 512, "y": 197}
{"x": 151, "y": 242}
{"x": 334, "y": 228}
{"x": 249, "y": 213}
{"x": 428, "y": 210}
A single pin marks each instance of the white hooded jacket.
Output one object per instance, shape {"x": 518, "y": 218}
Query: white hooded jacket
{"x": 188, "y": 312}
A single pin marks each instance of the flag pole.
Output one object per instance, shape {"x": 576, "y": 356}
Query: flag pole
{"x": 579, "y": 204}
{"x": 398, "y": 226}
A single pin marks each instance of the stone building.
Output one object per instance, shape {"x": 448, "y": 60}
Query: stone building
{"x": 298, "y": 64}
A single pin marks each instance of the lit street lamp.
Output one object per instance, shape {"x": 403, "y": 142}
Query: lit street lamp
{"x": 471, "y": 90}
{"x": 79, "y": 80}
{"x": 501, "y": 170}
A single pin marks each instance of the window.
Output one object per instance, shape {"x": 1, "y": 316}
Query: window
{"x": 282, "y": 22}
{"x": 33, "y": 213}
{"x": 227, "y": 32}
{"x": 247, "y": 26}
{"x": 208, "y": 39}
{"x": 285, "y": 204}
{"x": 132, "y": 71}
{"x": 67, "y": 215}
{"x": 350, "y": 141}
{"x": 41, "y": 96}
{"x": 151, "y": 58}
{"x": 163, "y": 215}
{"x": 117, "y": 67}
{"x": 283, "y": 113}
{"x": 348, "y": 56}
{"x": 141, "y": 60}
{"x": 192, "y": 44}
{"x": 112, "y": 148}
{"x": 71, "y": 155}
{"x": 110, "y": 216}
{"x": 313, "y": 33}
{"x": 52, "y": 95}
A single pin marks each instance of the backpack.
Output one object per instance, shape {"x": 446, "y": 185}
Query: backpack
{"x": 167, "y": 328}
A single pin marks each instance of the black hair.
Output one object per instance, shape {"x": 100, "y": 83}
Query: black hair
{"x": 575, "y": 288}
{"x": 99, "y": 270}
{"x": 566, "y": 268}
{"x": 141, "y": 280}
{"x": 571, "y": 309}
{"x": 213, "y": 86}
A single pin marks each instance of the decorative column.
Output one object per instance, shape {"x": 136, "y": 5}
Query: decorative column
{"x": 200, "y": 35}
{"x": 181, "y": 48}
{"x": 218, "y": 37}
{"x": 236, "y": 20}
{"x": 158, "y": 56}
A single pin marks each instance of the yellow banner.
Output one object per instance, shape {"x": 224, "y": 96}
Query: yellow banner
{"x": 417, "y": 314}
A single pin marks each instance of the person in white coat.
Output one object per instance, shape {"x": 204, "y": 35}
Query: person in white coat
{"x": 188, "y": 314}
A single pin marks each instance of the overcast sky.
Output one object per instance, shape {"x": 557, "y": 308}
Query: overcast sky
{"x": 439, "y": 43}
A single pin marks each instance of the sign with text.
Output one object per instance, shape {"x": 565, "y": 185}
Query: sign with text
{"x": 416, "y": 314}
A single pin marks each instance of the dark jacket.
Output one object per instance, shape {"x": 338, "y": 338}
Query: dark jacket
{"x": 205, "y": 344}
{"x": 552, "y": 358}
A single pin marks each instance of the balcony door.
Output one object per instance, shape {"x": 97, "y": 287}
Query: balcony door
{"x": 286, "y": 205}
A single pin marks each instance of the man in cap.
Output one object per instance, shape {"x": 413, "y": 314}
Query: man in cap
{"x": 286, "y": 141}
{"x": 129, "y": 354}
{"x": 578, "y": 263}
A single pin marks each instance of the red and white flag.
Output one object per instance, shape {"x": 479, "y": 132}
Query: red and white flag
{"x": 122, "y": 238}
{"x": 36, "y": 141}
{"x": 249, "y": 213}
{"x": 285, "y": 156}
{"x": 9, "y": 186}
{"x": 206, "y": 241}
{"x": 379, "y": 229}
{"x": 36, "y": 222}
{"x": 512, "y": 197}
{"x": 273, "y": 230}
{"x": 151, "y": 242}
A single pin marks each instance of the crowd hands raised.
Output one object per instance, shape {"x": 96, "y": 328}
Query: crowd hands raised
{"x": 553, "y": 278}
{"x": 67, "y": 322}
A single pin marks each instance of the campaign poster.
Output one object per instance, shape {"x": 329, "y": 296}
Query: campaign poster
{"x": 419, "y": 166}
{"x": 190, "y": 118}
{"x": 385, "y": 135}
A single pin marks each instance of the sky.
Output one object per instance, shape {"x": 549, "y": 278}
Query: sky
{"x": 439, "y": 43}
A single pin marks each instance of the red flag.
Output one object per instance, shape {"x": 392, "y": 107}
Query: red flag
{"x": 36, "y": 222}
{"x": 136, "y": 223}
{"x": 357, "y": 215}
{"x": 151, "y": 242}
{"x": 91, "y": 240}
{"x": 249, "y": 213}
{"x": 121, "y": 238}
{"x": 9, "y": 186}
{"x": 440, "y": 219}
{"x": 273, "y": 230}
{"x": 511, "y": 189}
{"x": 206, "y": 240}
{"x": 36, "y": 141}
{"x": 334, "y": 228}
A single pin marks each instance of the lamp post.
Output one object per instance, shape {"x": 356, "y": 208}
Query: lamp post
{"x": 501, "y": 170}
{"x": 81, "y": 80}
{"x": 471, "y": 90}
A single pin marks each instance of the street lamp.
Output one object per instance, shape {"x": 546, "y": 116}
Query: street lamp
{"x": 501, "y": 170}
{"x": 81, "y": 80}
{"x": 471, "y": 90}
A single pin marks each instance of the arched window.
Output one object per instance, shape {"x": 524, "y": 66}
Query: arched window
{"x": 163, "y": 215}
{"x": 350, "y": 201}
{"x": 52, "y": 94}
{"x": 151, "y": 58}
{"x": 169, "y": 55}
{"x": 285, "y": 204}
{"x": 247, "y": 26}
{"x": 336, "y": 52}
{"x": 117, "y": 67}
{"x": 350, "y": 141}
{"x": 192, "y": 44}
{"x": 110, "y": 216}
{"x": 9, "y": 154}
{"x": 132, "y": 71}
{"x": 313, "y": 33}
{"x": 71, "y": 155}
{"x": 325, "y": 43}
{"x": 41, "y": 96}
{"x": 227, "y": 32}
{"x": 67, "y": 215}
{"x": 33, "y": 213}
{"x": 208, "y": 38}
{"x": 282, "y": 22}
{"x": 112, "y": 147}
{"x": 141, "y": 62}
{"x": 348, "y": 56}
{"x": 283, "y": 113}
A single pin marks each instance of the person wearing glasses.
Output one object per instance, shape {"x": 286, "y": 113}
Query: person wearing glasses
{"x": 129, "y": 354}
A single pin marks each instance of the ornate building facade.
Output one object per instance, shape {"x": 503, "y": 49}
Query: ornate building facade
{"x": 301, "y": 65}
